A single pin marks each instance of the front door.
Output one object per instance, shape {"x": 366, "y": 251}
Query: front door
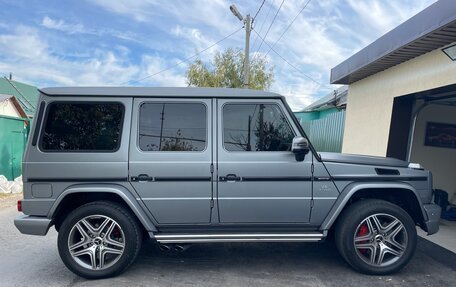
{"x": 259, "y": 180}
{"x": 171, "y": 158}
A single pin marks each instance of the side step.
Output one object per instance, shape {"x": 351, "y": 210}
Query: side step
{"x": 239, "y": 237}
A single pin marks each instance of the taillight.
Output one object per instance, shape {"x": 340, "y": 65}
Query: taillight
{"x": 19, "y": 205}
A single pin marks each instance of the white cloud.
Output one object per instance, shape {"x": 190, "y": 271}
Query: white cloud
{"x": 298, "y": 90}
{"x": 22, "y": 44}
{"x": 60, "y": 25}
{"x": 197, "y": 41}
{"x": 326, "y": 33}
{"x": 212, "y": 14}
{"x": 139, "y": 10}
{"x": 32, "y": 61}
{"x": 383, "y": 16}
{"x": 77, "y": 28}
{"x": 170, "y": 78}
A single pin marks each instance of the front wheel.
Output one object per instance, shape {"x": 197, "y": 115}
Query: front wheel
{"x": 376, "y": 237}
{"x": 99, "y": 240}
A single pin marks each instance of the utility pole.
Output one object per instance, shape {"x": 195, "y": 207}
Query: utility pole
{"x": 262, "y": 145}
{"x": 162, "y": 118}
{"x": 248, "y": 29}
{"x": 246, "y": 53}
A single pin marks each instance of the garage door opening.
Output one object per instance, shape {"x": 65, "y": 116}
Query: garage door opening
{"x": 423, "y": 130}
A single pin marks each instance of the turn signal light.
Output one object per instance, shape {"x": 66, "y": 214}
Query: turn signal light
{"x": 19, "y": 205}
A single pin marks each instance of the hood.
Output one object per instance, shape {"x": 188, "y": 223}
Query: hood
{"x": 362, "y": 159}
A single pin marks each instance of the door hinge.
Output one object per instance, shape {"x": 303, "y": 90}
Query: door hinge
{"x": 212, "y": 203}
{"x": 212, "y": 168}
{"x": 312, "y": 168}
{"x": 312, "y": 203}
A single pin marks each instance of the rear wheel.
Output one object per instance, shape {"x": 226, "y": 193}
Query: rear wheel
{"x": 376, "y": 237}
{"x": 99, "y": 240}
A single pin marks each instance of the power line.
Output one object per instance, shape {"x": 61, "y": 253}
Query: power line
{"x": 288, "y": 27}
{"x": 183, "y": 61}
{"x": 293, "y": 66}
{"x": 262, "y": 24}
{"x": 269, "y": 28}
{"x": 259, "y": 9}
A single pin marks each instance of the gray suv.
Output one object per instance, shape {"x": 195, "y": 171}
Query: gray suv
{"x": 109, "y": 167}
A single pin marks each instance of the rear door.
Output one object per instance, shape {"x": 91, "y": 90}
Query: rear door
{"x": 259, "y": 180}
{"x": 171, "y": 158}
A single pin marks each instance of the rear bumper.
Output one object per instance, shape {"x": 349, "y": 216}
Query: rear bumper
{"x": 433, "y": 214}
{"x": 33, "y": 225}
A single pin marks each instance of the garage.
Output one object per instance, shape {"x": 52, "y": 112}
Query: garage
{"x": 402, "y": 99}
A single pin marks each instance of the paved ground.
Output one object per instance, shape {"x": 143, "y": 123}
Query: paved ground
{"x": 446, "y": 237}
{"x": 34, "y": 261}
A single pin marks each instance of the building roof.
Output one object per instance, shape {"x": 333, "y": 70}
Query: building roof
{"x": 329, "y": 101}
{"x": 157, "y": 92}
{"x": 432, "y": 28}
{"x": 26, "y": 95}
{"x": 4, "y": 97}
{"x": 15, "y": 103}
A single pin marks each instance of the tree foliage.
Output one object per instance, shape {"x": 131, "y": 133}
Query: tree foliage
{"x": 226, "y": 70}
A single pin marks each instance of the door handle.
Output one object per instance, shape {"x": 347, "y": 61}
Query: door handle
{"x": 142, "y": 178}
{"x": 230, "y": 177}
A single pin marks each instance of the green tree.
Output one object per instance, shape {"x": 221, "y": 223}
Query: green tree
{"x": 226, "y": 70}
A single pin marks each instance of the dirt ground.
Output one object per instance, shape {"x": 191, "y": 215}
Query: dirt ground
{"x": 9, "y": 199}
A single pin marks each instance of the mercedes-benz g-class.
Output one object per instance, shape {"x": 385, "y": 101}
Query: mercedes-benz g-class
{"x": 107, "y": 166}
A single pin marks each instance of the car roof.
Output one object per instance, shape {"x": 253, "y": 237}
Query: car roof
{"x": 177, "y": 92}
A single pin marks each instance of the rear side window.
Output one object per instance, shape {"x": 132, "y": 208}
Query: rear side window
{"x": 172, "y": 127}
{"x": 256, "y": 127}
{"x": 83, "y": 126}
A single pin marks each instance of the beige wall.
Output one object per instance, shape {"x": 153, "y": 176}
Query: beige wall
{"x": 370, "y": 100}
{"x": 8, "y": 109}
{"x": 441, "y": 161}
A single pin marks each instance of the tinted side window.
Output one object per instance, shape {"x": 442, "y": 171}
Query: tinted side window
{"x": 172, "y": 127}
{"x": 83, "y": 127}
{"x": 255, "y": 127}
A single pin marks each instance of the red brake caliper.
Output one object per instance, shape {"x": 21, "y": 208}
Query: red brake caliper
{"x": 363, "y": 230}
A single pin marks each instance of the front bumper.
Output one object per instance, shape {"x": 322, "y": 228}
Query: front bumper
{"x": 433, "y": 212}
{"x": 33, "y": 225}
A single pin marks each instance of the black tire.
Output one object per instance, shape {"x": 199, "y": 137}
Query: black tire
{"x": 350, "y": 223}
{"x": 128, "y": 224}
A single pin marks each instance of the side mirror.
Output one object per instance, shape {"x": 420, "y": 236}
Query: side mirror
{"x": 300, "y": 147}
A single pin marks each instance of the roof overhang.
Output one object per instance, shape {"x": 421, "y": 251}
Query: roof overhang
{"x": 432, "y": 28}
{"x": 335, "y": 99}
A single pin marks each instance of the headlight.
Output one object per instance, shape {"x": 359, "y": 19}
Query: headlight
{"x": 415, "y": 165}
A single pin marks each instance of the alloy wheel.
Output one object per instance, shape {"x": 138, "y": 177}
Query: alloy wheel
{"x": 96, "y": 242}
{"x": 380, "y": 240}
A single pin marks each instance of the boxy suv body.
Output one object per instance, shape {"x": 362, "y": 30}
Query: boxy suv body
{"x": 107, "y": 166}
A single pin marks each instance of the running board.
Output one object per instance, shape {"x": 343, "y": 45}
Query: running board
{"x": 239, "y": 237}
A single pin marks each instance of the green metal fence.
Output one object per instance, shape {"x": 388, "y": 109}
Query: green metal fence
{"x": 13, "y": 138}
{"x": 326, "y": 134}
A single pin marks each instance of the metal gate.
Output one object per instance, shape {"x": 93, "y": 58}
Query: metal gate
{"x": 13, "y": 138}
{"x": 326, "y": 134}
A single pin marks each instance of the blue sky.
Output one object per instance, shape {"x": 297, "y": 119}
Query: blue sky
{"x": 116, "y": 42}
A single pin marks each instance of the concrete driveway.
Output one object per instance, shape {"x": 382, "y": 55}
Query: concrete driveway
{"x": 34, "y": 261}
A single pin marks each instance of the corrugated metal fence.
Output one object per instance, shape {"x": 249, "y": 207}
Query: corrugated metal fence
{"x": 326, "y": 134}
{"x": 13, "y": 138}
